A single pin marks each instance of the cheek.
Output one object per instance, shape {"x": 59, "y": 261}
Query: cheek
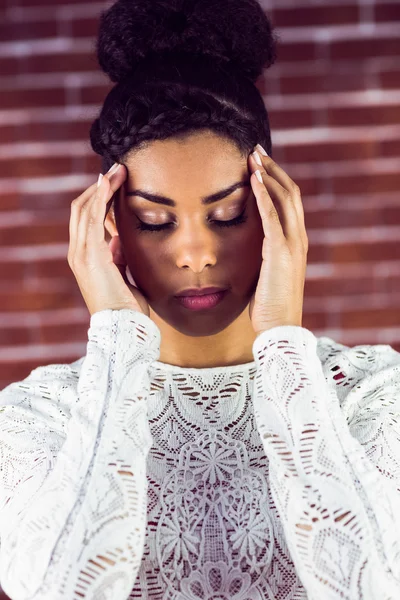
{"x": 142, "y": 253}
{"x": 243, "y": 258}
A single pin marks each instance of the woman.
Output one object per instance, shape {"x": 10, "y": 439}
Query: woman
{"x": 205, "y": 447}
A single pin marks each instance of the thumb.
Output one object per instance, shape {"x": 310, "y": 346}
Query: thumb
{"x": 120, "y": 260}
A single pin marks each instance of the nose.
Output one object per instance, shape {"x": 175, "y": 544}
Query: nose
{"x": 196, "y": 247}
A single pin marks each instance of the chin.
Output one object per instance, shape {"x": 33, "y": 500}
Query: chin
{"x": 199, "y": 323}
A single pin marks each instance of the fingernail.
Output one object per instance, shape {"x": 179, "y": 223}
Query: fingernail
{"x": 257, "y": 158}
{"x": 259, "y": 176}
{"x": 113, "y": 169}
{"x": 129, "y": 276}
{"x": 99, "y": 180}
{"x": 261, "y": 149}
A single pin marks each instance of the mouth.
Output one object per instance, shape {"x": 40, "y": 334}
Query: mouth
{"x": 202, "y": 302}
{"x": 201, "y": 291}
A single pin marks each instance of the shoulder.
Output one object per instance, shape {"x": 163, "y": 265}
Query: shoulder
{"x": 366, "y": 378}
{"x": 46, "y": 395}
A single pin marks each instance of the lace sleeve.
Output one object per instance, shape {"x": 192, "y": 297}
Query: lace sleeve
{"x": 334, "y": 461}
{"x": 72, "y": 479}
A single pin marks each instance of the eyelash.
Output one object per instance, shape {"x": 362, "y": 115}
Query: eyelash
{"x": 154, "y": 228}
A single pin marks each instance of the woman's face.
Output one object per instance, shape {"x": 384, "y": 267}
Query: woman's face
{"x": 192, "y": 251}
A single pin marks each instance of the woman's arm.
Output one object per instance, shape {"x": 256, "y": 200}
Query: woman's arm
{"x": 336, "y": 483}
{"x": 73, "y": 481}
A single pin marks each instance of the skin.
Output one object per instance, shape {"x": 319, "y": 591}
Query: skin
{"x": 193, "y": 251}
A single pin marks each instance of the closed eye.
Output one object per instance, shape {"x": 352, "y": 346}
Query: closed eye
{"x": 237, "y": 221}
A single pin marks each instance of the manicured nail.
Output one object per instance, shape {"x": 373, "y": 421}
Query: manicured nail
{"x": 259, "y": 176}
{"x": 257, "y": 158}
{"x": 261, "y": 149}
{"x": 113, "y": 169}
{"x": 99, "y": 180}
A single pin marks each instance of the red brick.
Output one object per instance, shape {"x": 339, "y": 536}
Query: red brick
{"x": 290, "y": 119}
{"x": 389, "y": 215}
{"x": 339, "y": 286}
{"x": 322, "y": 83}
{"x": 386, "y": 12}
{"x": 365, "y": 48}
{"x": 9, "y": 200}
{"x": 389, "y": 79}
{"x": 392, "y": 284}
{"x": 308, "y": 16}
{"x": 331, "y": 151}
{"x": 368, "y": 183}
{"x": 32, "y": 98}
{"x": 363, "y": 115}
{"x": 93, "y": 164}
{"x": 72, "y": 332}
{"x": 7, "y": 134}
{"x": 49, "y": 269}
{"x": 9, "y": 65}
{"x": 37, "y": 167}
{"x": 380, "y": 317}
{"x": 15, "y": 336}
{"x": 13, "y": 271}
{"x": 339, "y": 219}
{"x": 318, "y": 253}
{"x": 50, "y": 3}
{"x": 22, "y": 299}
{"x": 363, "y": 252}
{"x": 52, "y": 201}
{"x": 84, "y": 27}
{"x": 13, "y": 31}
{"x": 67, "y": 62}
{"x": 96, "y": 94}
{"x": 51, "y": 131}
{"x": 38, "y": 233}
{"x": 295, "y": 52}
{"x": 390, "y": 148}
{"x": 314, "y": 320}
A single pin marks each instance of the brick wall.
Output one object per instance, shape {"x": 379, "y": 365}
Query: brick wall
{"x": 334, "y": 103}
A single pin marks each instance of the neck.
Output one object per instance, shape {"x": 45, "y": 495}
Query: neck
{"x": 232, "y": 346}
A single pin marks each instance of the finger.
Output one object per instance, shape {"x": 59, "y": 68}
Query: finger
{"x": 79, "y": 213}
{"x": 274, "y": 170}
{"x": 76, "y": 206}
{"x": 91, "y": 230}
{"x": 283, "y": 203}
{"x": 287, "y": 193}
{"x": 273, "y": 230}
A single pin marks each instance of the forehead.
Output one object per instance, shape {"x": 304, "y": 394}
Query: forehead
{"x": 200, "y": 153}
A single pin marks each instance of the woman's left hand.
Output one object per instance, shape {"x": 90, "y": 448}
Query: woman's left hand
{"x": 278, "y": 299}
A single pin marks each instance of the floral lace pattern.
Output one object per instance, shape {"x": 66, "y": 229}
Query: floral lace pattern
{"x": 127, "y": 478}
{"x": 213, "y": 507}
{"x": 212, "y": 527}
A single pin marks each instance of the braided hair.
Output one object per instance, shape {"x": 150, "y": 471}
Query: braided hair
{"x": 182, "y": 66}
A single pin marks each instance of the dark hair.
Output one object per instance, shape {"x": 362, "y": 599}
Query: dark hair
{"x": 182, "y": 66}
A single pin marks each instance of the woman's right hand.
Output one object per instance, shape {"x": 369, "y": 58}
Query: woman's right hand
{"x": 102, "y": 283}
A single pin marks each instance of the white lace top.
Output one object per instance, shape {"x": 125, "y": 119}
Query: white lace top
{"x": 123, "y": 477}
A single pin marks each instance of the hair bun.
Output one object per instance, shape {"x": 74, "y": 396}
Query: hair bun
{"x": 236, "y": 31}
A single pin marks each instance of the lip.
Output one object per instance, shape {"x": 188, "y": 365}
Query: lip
{"x": 200, "y": 291}
{"x": 203, "y": 302}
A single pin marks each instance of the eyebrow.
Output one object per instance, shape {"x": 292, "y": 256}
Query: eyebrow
{"x": 206, "y": 200}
